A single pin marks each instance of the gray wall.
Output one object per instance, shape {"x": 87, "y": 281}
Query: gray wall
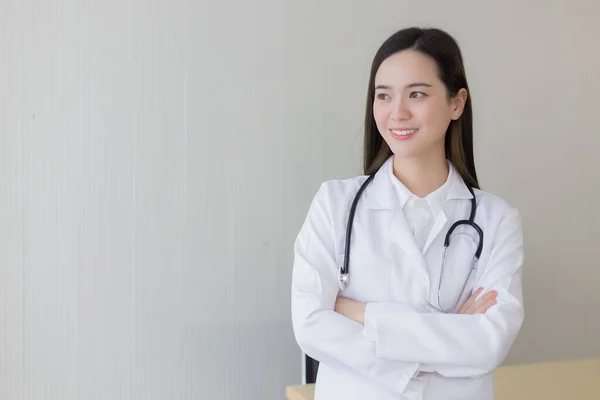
{"x": 158, "y": 158}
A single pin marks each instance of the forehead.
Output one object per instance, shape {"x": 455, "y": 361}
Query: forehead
{"x": 406, "y": 67}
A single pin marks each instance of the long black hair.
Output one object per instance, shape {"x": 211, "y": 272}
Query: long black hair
{"x": 444, "y": 50}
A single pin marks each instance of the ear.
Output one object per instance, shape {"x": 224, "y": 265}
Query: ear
{"x": 458, "y": 103}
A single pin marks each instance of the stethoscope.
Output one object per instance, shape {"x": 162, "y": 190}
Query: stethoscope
{"x": 345, "y": 269}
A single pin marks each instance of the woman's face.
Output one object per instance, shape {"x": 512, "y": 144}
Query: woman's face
{"x": 411, "y": 108}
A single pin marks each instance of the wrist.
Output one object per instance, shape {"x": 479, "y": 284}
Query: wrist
{"x": 360, "y": 313}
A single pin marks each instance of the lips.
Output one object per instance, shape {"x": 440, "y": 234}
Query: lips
{"x": 403, "y": 133}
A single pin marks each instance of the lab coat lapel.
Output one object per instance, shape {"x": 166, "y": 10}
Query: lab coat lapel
{"x": 401, "y": 235}
{"x": 458, "y": 191}
{"x": 438, "y": 226}
{"x": 383, "y": 197}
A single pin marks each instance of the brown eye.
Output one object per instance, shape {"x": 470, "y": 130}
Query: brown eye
{"x": 382, "y": 96}
{"x": 416, "y": 95}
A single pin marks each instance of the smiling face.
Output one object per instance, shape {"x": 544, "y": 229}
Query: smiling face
{"x": 411, "y": 107}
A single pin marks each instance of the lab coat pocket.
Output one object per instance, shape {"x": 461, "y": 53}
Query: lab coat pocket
{"x": 369, "y": 277}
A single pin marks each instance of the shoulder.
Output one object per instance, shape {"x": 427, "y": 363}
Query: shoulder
{"x": 328, "y": 207}
{"x": 336, "y": 190}
{"x": 493, "y": 202}
{"x": 497, "y": 210}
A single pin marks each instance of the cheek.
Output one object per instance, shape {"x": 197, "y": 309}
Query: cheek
{"x": 435, "y": 116}
{"x": 381, "y": 115}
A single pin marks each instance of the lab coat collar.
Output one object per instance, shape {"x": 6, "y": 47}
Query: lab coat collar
{"x": 382, "y": 195}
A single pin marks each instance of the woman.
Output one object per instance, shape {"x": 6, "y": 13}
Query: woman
{"x": 407, "y": 325}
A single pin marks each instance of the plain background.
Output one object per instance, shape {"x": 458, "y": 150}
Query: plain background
{"x": 158, "y": 158}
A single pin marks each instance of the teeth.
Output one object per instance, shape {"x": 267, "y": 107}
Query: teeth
{"x": 403, "y": 132}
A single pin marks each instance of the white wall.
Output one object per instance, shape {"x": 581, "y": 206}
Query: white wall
{"x": 158, "y": 158}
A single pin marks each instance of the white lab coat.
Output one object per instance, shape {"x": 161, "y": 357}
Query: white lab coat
{"x": 402, "y": 334}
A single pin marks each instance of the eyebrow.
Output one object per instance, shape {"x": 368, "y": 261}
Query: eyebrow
{"x": 412, "y": 85}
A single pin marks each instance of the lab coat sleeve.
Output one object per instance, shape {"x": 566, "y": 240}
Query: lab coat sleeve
{"x": 457, "y": 345}
{"x": 321, "y": 333}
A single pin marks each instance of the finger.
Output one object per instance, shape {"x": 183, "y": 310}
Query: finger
{"x": 470, "y": 301}
{"x": 474, "y": 303}
{"x": 485, "y": 307}
{"x": 485, "y": 298}
{"x": 483, "y": 301}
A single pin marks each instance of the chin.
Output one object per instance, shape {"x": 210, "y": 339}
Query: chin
{"x": 404, "y": 152}
{"x": 411, "y": 149}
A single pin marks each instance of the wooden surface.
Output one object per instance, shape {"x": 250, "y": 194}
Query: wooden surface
{"x": 300, "y": 392}
{"x": 576, "y": 379}
{"x": 562, "y": 380}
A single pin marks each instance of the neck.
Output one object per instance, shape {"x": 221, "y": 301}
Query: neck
{"x": 421, "y": 175}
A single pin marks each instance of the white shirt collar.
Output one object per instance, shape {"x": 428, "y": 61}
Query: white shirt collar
{"x": 435, "y": 199}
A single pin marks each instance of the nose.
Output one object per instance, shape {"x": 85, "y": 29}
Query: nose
{"x": 400, "y": 111}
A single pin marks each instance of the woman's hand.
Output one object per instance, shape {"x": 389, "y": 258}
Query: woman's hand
{"x": 480, "y": 306}
{"x": 355, "y": 310}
